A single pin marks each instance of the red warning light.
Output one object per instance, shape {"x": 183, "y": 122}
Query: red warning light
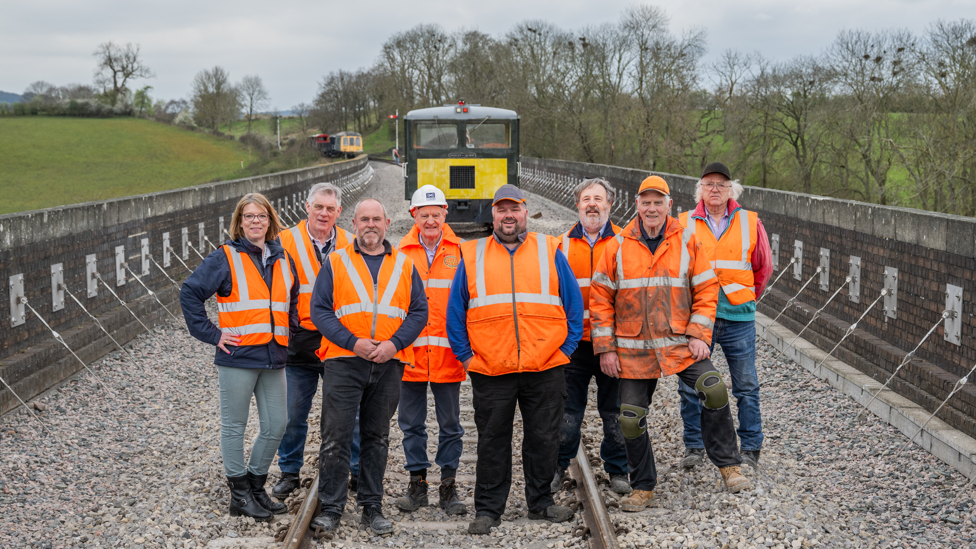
{"x": 465, "y": 109}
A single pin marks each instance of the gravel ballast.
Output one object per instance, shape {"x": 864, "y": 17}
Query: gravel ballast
{"x": 138, "y": 464}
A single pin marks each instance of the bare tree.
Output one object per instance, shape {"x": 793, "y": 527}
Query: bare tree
{"x": 302, "y": 111}
{"x": 117, "y": 65}
{"x": 41, "y": 91}
{"x": 215, "y": 99}
{"x": 254, "y": 97}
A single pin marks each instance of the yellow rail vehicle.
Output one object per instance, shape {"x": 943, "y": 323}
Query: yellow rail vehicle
{"x": 467, "y": 151}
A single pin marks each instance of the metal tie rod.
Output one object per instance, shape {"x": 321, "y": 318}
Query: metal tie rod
{"x": 109, "y": 288}
{"x": 26, "y": 407}
{"x": 207, "y": 238}
{"x": 173, "y": 282}
{"x": 955, "y": 388}
{"x": 61, "y": 340}
{"x": 791, "y": 301}
{"x": 852, "y": 327}
{"x": 195, "y": 251}
{"x": 781, "y": 273}
{"x": 95, "y": 319}
{"x": 152, "y": 293}
{"x": 173, "y": 253}
{"x": 820, "y": 310}
{"x": 908, "y": 358}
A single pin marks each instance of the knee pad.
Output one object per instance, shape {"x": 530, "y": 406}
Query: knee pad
{"x": 711, "y": 391}
{"x": 633, "y": 420}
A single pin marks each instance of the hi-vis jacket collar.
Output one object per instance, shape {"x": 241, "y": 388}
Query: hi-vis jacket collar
{"x": 387, "y": 247}
{"x": 700, "y": 211}
{"x": 577, "y": 231}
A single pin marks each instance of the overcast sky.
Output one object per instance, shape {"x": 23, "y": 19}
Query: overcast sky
{"x": 292, "y": 44}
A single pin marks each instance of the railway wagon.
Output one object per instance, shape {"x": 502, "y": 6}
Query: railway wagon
{"x": 348, "y": 144}
{"x": 467, "y": 151}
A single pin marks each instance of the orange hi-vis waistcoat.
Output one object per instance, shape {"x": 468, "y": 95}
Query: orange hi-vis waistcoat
{"x": 731, "y": 255}
{"x": 516, "y": 320}
{"x": 433, "y": 359}
{"x": 583, "y": 259}
{"x": 369, "y": 310}
{"x": 645, "y": 306}
{"x": 252, "y": 310}
{"x": 297, "y": 242}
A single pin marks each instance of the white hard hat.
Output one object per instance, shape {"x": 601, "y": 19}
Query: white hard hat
{"x": 428, "y": 195}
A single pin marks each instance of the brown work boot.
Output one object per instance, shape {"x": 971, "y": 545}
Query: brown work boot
{"x": 416, "y": 495}
{"x": 638, "y": 500}
{"x": 734, "y": 479}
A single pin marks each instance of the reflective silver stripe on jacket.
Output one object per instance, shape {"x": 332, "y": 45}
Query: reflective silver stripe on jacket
{"x": 651, "y": 282}
{"x": 746, "y": 240}
{"x": 432, "y": 341}
{"x": 566, "y": 244}
{"x": 246, "y": 304}
{"x": 703, "y": 320}
{"x": 583, "y": 282}
{"x": 702, "y": 277}
{"x": 733, "y": 287}
{"x": 366, "y": 304}
{"x": 601, "y": 332}
{"x": 685, "y": 256}
{"x": 251, "y": 304}
{"x": 250, "y": 329}
{"x": 659, "y": 343}
{"x": 240, "y": 277}
{"x": 728, "y": 264}
{"x": 544, "y": 298}
{"x": 604, "y": 280}
{"x": 306, "y": 261}
{"x": 438, "y": 283}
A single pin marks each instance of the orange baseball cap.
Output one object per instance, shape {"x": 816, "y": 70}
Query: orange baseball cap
{"x": 655, "y": 183}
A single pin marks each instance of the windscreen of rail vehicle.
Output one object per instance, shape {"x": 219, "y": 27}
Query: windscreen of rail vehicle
{"x": 488, "y": 135}
{"x": 435, "y": 135}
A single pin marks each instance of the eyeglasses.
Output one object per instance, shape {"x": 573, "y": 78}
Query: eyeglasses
{"x": 251, "y": 217}
{"x": 711, "y": 186}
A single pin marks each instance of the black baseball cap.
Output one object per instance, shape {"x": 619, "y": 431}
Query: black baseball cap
{"x": 717, "y": 167}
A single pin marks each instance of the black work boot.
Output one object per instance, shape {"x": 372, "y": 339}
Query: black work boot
{"x": 288, "y": 483}
{"x": 693, "y": 457}
{"x": 242, "y": 502}
{"x": 325, "y": 524}
{"x": 373, "y": 519}
{"x": 750, "y": 458}
{"x": 257, "y": 483}
{"x": 450, "y": 501}
{"x": 416, "y": 494}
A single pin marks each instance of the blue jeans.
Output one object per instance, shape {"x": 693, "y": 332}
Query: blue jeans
{"x": 412, "y": 418}
{"x": 302, "y": 385}
{"x": 582, "y": 366}
{"x": 738, "y": 342}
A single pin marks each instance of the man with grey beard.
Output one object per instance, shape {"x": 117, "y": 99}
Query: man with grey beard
{"x": 583, "y": 246}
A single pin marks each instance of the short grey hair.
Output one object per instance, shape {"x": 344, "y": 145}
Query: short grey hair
{"x": 355, "y": 211}
{"x": 587, "y": 183}
{"x": 328, "y": 189}
{"x": 737, "y": 189}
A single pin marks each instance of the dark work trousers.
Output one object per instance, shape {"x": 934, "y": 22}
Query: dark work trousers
{"x": 412, "y": 417}
{"x": 582, "y": 366}
{"x": 356, "y": 384}
{"x": 540, "y": 397}
{"x": 717, "y": 428}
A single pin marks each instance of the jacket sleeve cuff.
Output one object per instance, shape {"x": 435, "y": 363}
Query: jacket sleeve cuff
{"x": 465, "y": 356}
{"x": 699, "y": 332}
{"x": 603, "y": 345}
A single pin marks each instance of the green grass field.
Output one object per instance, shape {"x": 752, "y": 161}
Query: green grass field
{"x": 47, "y": 162}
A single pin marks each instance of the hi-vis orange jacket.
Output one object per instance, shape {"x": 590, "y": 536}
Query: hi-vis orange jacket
{"x": 583, "y": 259}
{"x": 433, "y": 359}
{"x": 645, "y": 307}
{"x": 307, "y": 264}
{"x": 732, "y": 253}
{"x": 252, "y": 310}
{"x": 369, "y": 310}
{"x": 516, "y": 321}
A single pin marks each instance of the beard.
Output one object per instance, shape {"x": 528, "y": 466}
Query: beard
{"x": 592, "y": 223}
{"x": 510, "y": 236}
{"x": 371, "y": 238}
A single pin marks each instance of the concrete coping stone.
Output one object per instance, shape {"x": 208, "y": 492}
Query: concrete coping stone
{"x": 952, "y": 446}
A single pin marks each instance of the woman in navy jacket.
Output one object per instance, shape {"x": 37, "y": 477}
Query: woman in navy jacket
{"x": 246, "y": 368}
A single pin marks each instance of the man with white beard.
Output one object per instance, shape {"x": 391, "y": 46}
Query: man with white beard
{"x": 583, "y": 246}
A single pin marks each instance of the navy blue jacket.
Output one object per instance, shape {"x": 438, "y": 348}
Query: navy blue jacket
{"x": 213, "y": 277}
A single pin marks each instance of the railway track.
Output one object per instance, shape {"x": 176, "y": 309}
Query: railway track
{"x": 598, "y": 527}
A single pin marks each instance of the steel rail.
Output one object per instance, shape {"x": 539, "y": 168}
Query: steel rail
{"x": 299, "y": 535}
{"x": 603, "y": 535}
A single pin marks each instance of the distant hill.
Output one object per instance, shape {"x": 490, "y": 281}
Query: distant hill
{"x": 6, "y": 97}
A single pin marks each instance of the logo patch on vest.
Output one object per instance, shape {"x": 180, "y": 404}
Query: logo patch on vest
{"x": 451, "y": 261}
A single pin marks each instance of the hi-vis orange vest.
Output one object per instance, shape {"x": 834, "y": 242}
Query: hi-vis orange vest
{"x": 252, "y": 310}
{"x": 731, "y": 255}
{"x": 434, "y": 360}
{"x": 307, "y": 264}
{"x": 368, "y": 310}
{"x": 583, "y": 259}
{"x": 516, "y": 320}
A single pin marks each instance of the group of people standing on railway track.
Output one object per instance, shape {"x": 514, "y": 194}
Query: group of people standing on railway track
{"x": 528, "y": 318}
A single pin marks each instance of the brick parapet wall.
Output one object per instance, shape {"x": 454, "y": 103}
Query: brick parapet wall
{"x": 31, "y": 242}
{"x": 929, "y": 250}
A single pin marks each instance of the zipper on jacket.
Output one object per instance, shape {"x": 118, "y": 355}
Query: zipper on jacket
{"x": 271, "y": 310}
{"x": 376, "y": 308}
{"x": 518, "y": 345}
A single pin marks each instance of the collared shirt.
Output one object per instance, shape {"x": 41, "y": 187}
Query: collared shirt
{"x": 718, "y": 226}
{"x": 653, "y": 242}
{"x": 322, "y": 249}
{"x": 431, "y": 252}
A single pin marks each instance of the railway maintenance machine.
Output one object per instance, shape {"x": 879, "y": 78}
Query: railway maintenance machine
{"x": 467, "y": 151}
